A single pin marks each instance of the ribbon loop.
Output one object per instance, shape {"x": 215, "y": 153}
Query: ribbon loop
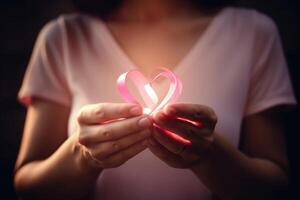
{"x": 148, "y": 94}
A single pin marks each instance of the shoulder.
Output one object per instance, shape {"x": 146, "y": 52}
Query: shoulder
{"x": 73, "y": 20}
{"x": 254, "y": 21}
{"x": 64, "y": 26}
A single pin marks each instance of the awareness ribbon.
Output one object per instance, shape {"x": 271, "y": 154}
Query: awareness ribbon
{"x": 144, "y": 87}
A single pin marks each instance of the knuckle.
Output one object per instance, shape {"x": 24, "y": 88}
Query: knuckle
{"x": 104, "y": 132}
{"x": 212, "y": 115}
{"x": 203, "y": 112}
{"x": 116, "y": 146}
{"x": 214, "y": 118}
{"x": 199, "y": 114}
{"x": 99, "y": 110}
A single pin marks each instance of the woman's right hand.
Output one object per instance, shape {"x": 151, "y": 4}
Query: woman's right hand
{"x": 112, "y": 133}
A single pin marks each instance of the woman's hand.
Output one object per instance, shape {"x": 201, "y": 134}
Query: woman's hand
{"x": 193, "y": 123}
{"x": 110, "y": 133}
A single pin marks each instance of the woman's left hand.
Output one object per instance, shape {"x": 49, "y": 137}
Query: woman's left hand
{"x": 193, "y": 126}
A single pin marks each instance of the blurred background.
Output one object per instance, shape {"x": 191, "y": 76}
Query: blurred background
{"x": 20, "y": 22}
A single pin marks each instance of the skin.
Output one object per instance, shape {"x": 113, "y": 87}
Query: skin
{"x": 257, "y": 170}
{"x": 39, "y": 164}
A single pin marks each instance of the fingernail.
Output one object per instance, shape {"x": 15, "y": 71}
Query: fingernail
{"x": 170, "y": 111}
{"x": 144, "y": 122}
{"x": 136, "y": 110}
{"x": 159, "y": 116}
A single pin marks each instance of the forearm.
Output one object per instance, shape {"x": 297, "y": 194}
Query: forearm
{"x": 230, "y": 174}
{"x": 64, "y": 175}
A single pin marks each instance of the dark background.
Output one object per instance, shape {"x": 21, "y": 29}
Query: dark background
{"x": 21, "y": 20}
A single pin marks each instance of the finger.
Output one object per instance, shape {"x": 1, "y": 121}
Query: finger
{"x": 106, "y": 149}
{"x": 164, "y": 154}
{"x": 167, "y": 141}
{"x": 113, "y": 131}
{"x": 186, "y": 156}
{"x": 193, "y": 112}
{"x": 185, "y": 129}
{"x": 121, "y": 157}
{"x": 102, "y": 112}
{"x": 173, "y": 135}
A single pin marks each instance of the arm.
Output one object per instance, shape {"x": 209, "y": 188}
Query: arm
{"x": 258, "y": 171}
{"x": 52, "y": 166}
{"x": 47, "y": 156}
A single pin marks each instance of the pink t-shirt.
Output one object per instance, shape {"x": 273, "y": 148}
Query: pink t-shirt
{"x": 237, "y": 67}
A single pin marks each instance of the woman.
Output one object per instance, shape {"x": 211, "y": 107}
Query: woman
{"x": 235, "y": 85}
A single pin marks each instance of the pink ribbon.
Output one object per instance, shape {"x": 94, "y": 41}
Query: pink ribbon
{"x": 148, "y": 94}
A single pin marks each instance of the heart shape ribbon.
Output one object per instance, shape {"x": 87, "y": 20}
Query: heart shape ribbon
{"x": 147, "y": 92}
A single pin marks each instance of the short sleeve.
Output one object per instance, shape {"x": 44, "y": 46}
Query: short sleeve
{"x": 45, "y": 76}
{"x": 270, "y": 83}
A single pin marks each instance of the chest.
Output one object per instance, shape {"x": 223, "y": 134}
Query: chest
{"x": 149, "y": 46}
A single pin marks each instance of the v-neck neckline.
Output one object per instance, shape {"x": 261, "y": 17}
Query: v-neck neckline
{"x": 127, "y": 63}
